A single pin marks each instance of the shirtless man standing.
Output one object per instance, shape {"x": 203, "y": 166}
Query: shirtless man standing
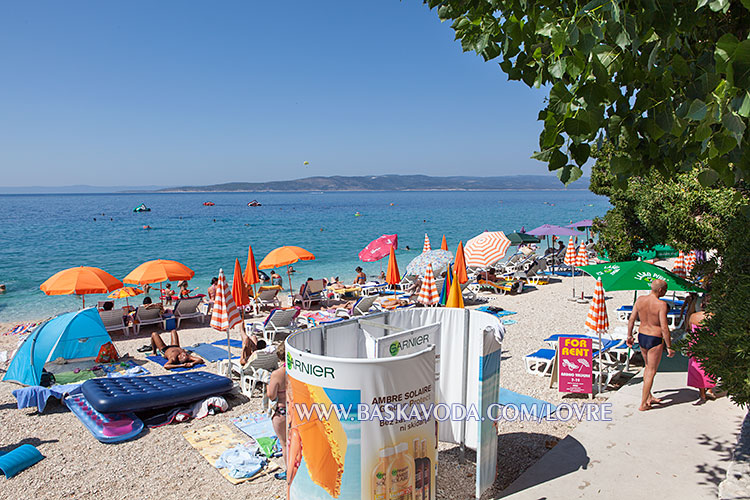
{"x": 653, "y": 335}
{"x": 276, "y": 392}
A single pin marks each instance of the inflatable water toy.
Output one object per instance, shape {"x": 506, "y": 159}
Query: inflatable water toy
{"x": 208, "y": 203}
{"x": 146, "y": 227}
{"x": 305, "y": 162}
{"x": 357, "y": 214}
{"x": 254, "y": 203}
{"x": 141, "y": 208}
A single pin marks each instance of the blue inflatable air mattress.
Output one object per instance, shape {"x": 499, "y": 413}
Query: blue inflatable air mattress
{"x": 129, "y": 394}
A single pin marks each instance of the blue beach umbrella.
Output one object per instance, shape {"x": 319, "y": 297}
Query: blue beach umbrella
{"x": 446, "y": 287}
{"x": 439, "y": 259}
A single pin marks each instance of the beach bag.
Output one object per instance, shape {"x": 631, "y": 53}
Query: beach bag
{"x": 47, "y": 380}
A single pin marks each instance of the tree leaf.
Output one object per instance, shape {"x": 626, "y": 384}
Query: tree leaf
{"x": 744, "y": 110}
{"x": 569, "y": 173}
{"x": 559, "y": 40}
{"x": 735, "y": 125}
{"x": 619, "y": 165}
{"x": 697, "y": 110}
{"x": 576, "y": 127}
{"x": 580, "y": 152}
{"x": 708, "y": 177}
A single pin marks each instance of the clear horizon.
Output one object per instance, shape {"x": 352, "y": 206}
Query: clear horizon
{"x": 143, "y": 94}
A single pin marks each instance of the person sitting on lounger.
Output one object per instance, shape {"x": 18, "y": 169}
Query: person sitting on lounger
{"x": 250, "y": 346}
{"x": 361, "y": 278}
{"x": 177, "y": 357}
{"x": 414, "y": 287}
{"x": 276, "y": 279}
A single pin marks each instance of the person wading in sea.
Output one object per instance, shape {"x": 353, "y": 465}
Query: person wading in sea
{"x": 653, "y": 335}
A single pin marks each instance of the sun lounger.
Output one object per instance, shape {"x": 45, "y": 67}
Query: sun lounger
{"x": 675, "y": 319}
{"x": 257, "y": 370}
{"x": 373, "y": 288}
{"x": 502, "y": 287}
{"x": 540, "y": 362}
{"x": 146, "y": 316}
{"x": 187, "y": 309}
{"x": 312, "y": 292}
{"x": 268, "y": 296}
{"x": 406, "y": 282}
{"x": 360, "y": 308}
{"x": 278, "y": 321}
{"x": 114, "y": 320}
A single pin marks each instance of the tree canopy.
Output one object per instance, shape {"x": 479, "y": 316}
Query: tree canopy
{"x": 666, "y": 82}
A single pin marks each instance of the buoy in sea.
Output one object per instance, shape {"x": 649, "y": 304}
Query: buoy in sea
{"x": 391, "y": 204}
{"x": 305, "y": 162}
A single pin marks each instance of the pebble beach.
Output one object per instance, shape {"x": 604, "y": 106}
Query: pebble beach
{"x": 161, "y": 462}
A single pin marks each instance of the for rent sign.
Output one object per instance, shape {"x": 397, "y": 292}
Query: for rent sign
{"x": 575, "y": 364}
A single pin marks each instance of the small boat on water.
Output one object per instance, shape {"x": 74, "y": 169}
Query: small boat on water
{"x": 208, "y": 203}
{"x": 254, "y": 203}
{"x": 141, "y": 208}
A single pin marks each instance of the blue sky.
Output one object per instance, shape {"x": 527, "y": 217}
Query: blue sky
{"x": 174, "y": 93}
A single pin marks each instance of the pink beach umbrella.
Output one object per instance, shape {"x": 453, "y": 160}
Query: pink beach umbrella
{"x": 679, "y": 266}
{"x": 225, "y": 314}
{"x": 428, "y": 292}
{"x": 426, "y": 247}
{"x": 379, "y": 248}
{"x": 597, "y": 320}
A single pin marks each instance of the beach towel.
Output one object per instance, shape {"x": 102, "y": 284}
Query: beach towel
{"x": 232, "y": 343}
{"x": 211, "y": 442}
{"x": 20, "y": 329}
{"x": 259, "y": 427}
{"x": 210, "y": 352}
{"x": 161, "y": 360}
{"x": 37, "y": 395}
{"x": 535, "y": 407}
{"x": 240, "y": 462}
{"x": 71, "y": 377}
{"x": 495, "y": 311}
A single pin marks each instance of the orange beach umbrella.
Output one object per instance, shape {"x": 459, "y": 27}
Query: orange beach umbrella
{"x": 80, "y": 280}
{"x": 392, "y": 277}
{"x": 125, "y": 293}
{"x": 456, "y": 297}
{"x": 444, "y": 244}
{"x": 459, "y": 266}
{"x": 428, "y": 292}
{"x": 426, "y": 246}
{"x": 239, "y": 289}
{"x": 285, "y": 256}
{"x": 157, "y": 271}
{"x": 597, "y": 321}
{"x": 251, "y": 270}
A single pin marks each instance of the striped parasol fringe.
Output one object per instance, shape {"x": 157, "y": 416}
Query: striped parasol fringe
{"x": 428, "y": 292}
{"x": 679, "y": 265}
{"x": 582, "y": 259}
{"x": 597, "y": 320}
{"x": 486, "y": 249}
{"x": 426, "y": 247}
{"x": 570, "y": 253}
{"x": 690, "y": 261}
{"x": 225, "y": 314}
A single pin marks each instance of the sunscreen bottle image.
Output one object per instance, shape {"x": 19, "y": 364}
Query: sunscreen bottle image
{"x": 426, "y": 472}
{"x": 401, "y": 474}
{"x": 418, "y": 471}
{"x": 379, "y": 478}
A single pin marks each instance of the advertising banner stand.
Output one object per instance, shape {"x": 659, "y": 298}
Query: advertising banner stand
{"x": 361, "y": 396}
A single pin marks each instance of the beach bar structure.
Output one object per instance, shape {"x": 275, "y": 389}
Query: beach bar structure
{"x": 381, "y": 374}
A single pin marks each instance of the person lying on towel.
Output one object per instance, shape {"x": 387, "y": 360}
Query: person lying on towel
{"x": 177, "y": 357}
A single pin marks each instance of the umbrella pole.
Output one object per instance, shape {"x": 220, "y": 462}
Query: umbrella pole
{"x": 83, "y": 301}
{"x": 601, "y": 371}
{"x": 291, "y": 287}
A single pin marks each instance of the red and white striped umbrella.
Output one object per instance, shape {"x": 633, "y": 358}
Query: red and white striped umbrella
{"x": 582, "y": 259}
{"x": 690, "y": 261}
{"x": 597, "y": 320}
{"x": 679, "y": 265}
{"x": 225, "y": 313}
{"x": 428, "y": 292}
{"x": 426, "y": 247}
{"x": 486, "y": 249}
{"x": 570, "y": 253}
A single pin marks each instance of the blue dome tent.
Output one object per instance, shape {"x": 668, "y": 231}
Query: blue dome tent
{"x": 72, "y": 335}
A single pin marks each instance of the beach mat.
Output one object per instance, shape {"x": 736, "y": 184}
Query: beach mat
{"x": 161, "y": 360}
{"x": 543, "y": 408}
{"x": 213, "y": 440}
{"x": 259, "y": 427}
{"x": 499, "y": 314}
{"x": 232, "y": 343}
{"x": 210, "y": 352}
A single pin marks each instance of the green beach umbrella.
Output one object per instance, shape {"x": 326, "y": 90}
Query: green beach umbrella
{"x": 636, "y": 275}
{"x": 521, "y": 238}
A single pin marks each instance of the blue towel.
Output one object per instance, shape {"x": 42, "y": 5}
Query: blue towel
{"x": 210, "y": 352}
{"x": 232, "y": 342}
{"x": 161, "y": 360}
{"x": 543, "y": 408}
{"x": 37, "y": 395}
{"x": 499, "y": 314}
{"x": 240, "y": 462}
{"x": 255, "y": 425}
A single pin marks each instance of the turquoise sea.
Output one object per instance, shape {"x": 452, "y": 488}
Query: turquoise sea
{"x": 43, "y": 234}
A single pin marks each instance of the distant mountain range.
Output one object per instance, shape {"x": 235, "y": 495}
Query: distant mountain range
{"x": 392, "y": 183}
{"x": 76, "y": 189}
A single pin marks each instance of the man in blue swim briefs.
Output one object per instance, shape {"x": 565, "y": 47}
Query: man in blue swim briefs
{"x": 177, "y": 357}
{"x": 652, "y": 337}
